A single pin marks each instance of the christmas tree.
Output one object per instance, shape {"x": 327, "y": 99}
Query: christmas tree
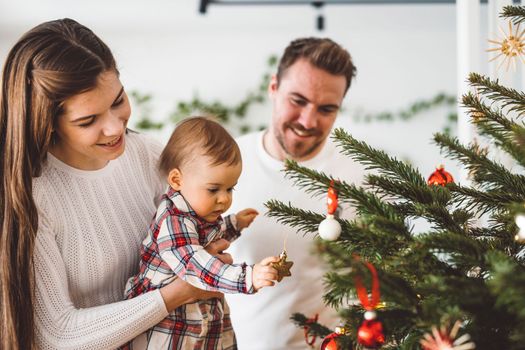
{"x": 468, "y": 266}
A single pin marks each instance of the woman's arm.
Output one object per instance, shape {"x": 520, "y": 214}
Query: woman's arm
{"x": 61, "y": 325}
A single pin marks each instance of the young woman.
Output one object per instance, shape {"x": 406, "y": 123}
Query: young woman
{"x": 77, "y": 192}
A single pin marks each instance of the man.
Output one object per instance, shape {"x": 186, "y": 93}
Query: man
{"x": 306, "y": 93}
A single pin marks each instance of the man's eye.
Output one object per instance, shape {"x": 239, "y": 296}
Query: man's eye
{"x": 327, "y": 110}
{"x": 298, "y": 102}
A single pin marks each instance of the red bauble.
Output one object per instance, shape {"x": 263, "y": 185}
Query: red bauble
{"x": 330, "y": 342}
{"x": 370, "y": 334}
{"x": 331, "y": 200}
{"x": 440, "y": 177}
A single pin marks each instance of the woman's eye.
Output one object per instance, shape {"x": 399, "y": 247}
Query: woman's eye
{"x": 87, "y": 122}
{"x": 118, "y": 102}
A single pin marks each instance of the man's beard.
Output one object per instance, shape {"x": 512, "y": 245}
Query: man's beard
{"x": 300, "y": 152}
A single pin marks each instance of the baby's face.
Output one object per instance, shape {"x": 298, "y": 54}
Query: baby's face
{"x": 208, "y": 188}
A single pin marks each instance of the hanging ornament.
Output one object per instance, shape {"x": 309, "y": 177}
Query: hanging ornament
{"x": 282, "y": 266}
{"x": 520, "y": 222}
{"x": 331, "y": 341}
{"x": 329, "y": 228}
{"x": 310, "y": 341}
{"x": 442, "y": 339}
{"x": 512, "y": 46}
{"x": 440, "y": 177}
{"x": 370, "y": 333}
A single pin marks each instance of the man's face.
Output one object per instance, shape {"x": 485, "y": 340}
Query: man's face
{"x": 305, "y": 105}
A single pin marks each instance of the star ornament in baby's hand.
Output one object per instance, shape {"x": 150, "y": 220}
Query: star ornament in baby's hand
{"x": 282, "y": 266}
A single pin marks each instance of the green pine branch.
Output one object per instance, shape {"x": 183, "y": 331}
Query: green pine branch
{"x": 509, "y": 98}
{"x": 461, "y": 250}
{"x": 401, "y": 190}
{"x": 494, "y": 124}
{"x": 375, "y": 159}
{"x": 487, "y": 173}
{"x": 515, "y": 13}
{"x": 304, "y": 221}
{"x": 317, "y": 184}
{"x": 483, "y": 202}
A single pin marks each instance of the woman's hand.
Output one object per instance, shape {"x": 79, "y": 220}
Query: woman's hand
{"x": 179, "y": 292}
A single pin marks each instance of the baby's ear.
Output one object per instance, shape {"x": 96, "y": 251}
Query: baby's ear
{"x": 175, "y": 179}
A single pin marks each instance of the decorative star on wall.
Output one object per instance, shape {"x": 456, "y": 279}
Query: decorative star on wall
{"x": 512, "y": 47}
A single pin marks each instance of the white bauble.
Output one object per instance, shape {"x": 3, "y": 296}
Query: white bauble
{"x": 329, "y": 228}
{"x": 520, "y": 222}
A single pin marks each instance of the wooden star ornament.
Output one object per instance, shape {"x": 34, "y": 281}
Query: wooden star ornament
{"x": 282, "y": 266}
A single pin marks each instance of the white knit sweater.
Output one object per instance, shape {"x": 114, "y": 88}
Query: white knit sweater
{"x": 91, "y": 224}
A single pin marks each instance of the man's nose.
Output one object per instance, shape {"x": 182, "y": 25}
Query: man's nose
{"x": 308, "y": 117}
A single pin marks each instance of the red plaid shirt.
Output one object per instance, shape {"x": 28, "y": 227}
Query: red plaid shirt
{"x": 174, "y": 248}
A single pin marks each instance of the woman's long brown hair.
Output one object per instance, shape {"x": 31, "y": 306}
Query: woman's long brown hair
{"x": 50, "y": 63}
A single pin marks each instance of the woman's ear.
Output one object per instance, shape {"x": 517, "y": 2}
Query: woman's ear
{"x": 175, "y": 179}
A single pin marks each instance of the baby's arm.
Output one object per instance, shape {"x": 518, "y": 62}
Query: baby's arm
{"x": 179, "y": 247}
{"x": 234, "y": 223}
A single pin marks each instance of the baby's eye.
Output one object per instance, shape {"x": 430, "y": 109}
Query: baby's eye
{"x": 213, "y": 190}
{"x": 230, "y": 189}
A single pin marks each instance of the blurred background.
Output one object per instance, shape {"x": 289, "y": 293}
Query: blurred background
{"x": 172, "y": 56}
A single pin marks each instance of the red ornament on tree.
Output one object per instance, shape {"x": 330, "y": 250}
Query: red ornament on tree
{"x": 440, "y": 177}
{"x": 331, "y": 341}
{"x": 331, "y": 199}
{"x": 370, "y": 333}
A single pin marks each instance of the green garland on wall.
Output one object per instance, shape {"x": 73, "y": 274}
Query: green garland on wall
{"x": 226, "y": 113}
{"x": 441, "y": 99}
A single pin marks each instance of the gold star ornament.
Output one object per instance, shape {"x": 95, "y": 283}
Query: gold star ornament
{"x": 282, "y": 266}
{"x": 512, "y": 47}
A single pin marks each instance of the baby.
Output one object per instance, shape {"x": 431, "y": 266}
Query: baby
{"x": 202, "y": 163}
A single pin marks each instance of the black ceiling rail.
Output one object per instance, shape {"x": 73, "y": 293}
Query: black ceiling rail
{"x": 204, "y": 4}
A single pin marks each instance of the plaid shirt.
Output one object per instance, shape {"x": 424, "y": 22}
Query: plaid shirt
{"x": 174, "y": 248}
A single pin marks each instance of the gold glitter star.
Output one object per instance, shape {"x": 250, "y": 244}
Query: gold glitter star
{"x": 282, "y": 266}
{"x": 512, "y": 46}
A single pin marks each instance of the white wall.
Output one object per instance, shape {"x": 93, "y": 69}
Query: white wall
{"x": 403, "y": 53}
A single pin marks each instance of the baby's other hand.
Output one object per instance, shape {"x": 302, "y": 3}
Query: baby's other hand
{"x": 264, "y": 274}
{"x": 245, "y": 218}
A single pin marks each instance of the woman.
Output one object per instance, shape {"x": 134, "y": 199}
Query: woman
{"x": 77, "y": 194}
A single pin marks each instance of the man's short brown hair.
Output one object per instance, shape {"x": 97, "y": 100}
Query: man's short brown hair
{"x": 199, "y": 136}
{"x": 322, "y": 53}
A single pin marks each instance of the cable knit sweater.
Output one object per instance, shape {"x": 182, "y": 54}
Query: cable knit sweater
{"x": 91, "y": 224}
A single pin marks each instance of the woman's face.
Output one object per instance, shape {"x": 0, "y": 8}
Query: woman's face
{"x": 91, "y": 130}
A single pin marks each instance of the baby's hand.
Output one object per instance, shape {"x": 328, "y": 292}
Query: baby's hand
{"x": 245, "y": 218}
{"x": 264, "y": 274}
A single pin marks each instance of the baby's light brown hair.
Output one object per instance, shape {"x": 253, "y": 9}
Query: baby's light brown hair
{"x": 199, "y": 136}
